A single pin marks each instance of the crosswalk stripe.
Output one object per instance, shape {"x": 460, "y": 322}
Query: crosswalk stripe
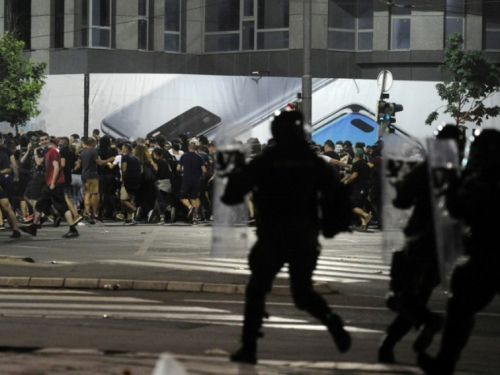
{"x": 81, "y": 306}
{"x": 187, "y": 266}
{"x": 326, "y": 270}
{"x": 13, "y": 304}
{"x": 44, "y": 291}
{"x": 74, "y": 298}
{"x": 321, "y": 263}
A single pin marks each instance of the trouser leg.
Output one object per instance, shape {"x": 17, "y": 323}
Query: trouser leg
{"x": 399, "y": 327}
{"x": 473, "y": 287}
{"x": 264, "y": 266}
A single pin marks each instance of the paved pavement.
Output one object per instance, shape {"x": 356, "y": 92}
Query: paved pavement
{"x": 55, "y": 361}
{"x": 142, "y": 264}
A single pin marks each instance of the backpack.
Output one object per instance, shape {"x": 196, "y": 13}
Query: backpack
{"x": 149, "y": 172}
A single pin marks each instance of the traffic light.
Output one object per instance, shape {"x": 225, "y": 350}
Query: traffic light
{"x": 386, "y": 112}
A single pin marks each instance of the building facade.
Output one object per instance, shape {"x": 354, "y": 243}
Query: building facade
{"x": 350, "y": 38}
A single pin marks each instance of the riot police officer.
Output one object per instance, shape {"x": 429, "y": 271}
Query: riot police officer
{"x": 286, "y": 180}
{"x": 475, "y": 283}
{"x": 414, "y": 270}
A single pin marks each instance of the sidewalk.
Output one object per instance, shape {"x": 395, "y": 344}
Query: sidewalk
{"x": 53, "y": 361}
{"x": 18, "y": 274}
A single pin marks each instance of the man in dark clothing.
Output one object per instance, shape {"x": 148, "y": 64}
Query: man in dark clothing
{"x": 415, "y": 275}
{"x": 108, "y": 183}
{"x": 163, "y": 185}
{"x": 348, "y": 149}
{"x": 329, "y": 148}
{"x": 5, "y": 171}
{"x": 193, "y": 167}
{"x": 131, "y": 176}
{"x": 475, "y": 283}
{"x": 68, "y": 161}
{"x": 359, "y": 178}
{"x": 52, "y": 193}
{"x": 89, "y": 160}
{"x": 287, "y": 233}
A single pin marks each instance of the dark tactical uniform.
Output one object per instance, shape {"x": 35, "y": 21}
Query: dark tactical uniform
{"x": 475, "y": 283}
{"x": 414, "y": 272}
{"x": 285, "y": 180}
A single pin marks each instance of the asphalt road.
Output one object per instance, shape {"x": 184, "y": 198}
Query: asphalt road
{"x": 201, "y": 324}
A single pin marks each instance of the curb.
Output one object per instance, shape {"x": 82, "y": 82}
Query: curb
{"x": 144, "y": 285}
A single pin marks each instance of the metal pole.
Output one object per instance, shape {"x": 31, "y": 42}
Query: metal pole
{"x": 86, "y": 93}
{"x": 306, "y": 76}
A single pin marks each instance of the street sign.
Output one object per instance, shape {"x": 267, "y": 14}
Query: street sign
{"x": 384, "y": 81}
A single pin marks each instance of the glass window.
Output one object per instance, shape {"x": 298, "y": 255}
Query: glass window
{"x": 142, "y": 32}
{"x": 454, "y": 25}
{"x": 222, "y": 15}
{"x": 172, "y": 37}
{"x": 341, "y": 40}
{"x": 172, "y": 15}
{"x": 492, "y": 40}
{"x": 365, "y": 15}
{"x": 246, "y": 25}
{"x": 143, "y": 25}
{"x": 365, "y": 41}
{"x": 273, "y": 14}
{"x": 248, "y": 8}
{"x": 401, "y": 33}
{"x": 455, "y": 17}
{"x": 59, "y": 24}
{"x": 143, "y": 8}
{"x": 101, "y": 37}
{"x": 222, "y": 42}
{"x": 491, "y": 17}
{"x": 350, "y": 25}
{"x": 172, "y": 42}
{"x": 101, "y": 12}
{"x": 272, "y": 40}
{"x": 248, "y": 39}
{"x": 491, "y": 24}
{"x": 96, "y": 23}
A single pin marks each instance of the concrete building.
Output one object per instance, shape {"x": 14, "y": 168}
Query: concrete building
{"x": 350, "y": 38}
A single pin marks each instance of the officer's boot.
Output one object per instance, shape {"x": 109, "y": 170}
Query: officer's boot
{"x": 395, "y": 332}
{"x": 433, "y": 324}
{"x": 340, "y": 336}
{"x": 247, "y": 353}
{"x": 253, "y": 316}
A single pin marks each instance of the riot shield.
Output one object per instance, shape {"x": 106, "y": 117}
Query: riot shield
{"x": 230, "y": 224}
{"x": 397, "y": 162}
{"x": 443, "y": 163}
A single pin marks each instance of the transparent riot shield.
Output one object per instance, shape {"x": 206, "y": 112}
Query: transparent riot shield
{"x": 230, "y": 225}
{"x": 398, "y": 160}
{"x": 443, "y": 162}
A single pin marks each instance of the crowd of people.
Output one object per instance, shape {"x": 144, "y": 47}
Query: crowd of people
{"x": 153, "y": 180}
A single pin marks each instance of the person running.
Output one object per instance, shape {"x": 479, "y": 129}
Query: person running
{"x": 52, "y": 193}
{"x": 287, "y": 233}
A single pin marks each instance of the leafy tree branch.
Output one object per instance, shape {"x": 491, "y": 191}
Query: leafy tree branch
{"x": 21, "y": 82}
{"x": 474, "y": 79}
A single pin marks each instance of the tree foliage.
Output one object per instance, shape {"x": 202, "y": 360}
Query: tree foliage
{"x": 474, "y": 79}
{"x": 21, "y": 82}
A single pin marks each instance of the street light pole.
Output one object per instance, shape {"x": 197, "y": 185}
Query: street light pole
{"x": 306, "y": 75}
